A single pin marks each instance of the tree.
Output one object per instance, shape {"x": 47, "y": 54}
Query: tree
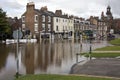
{"x": 5, "y": 29}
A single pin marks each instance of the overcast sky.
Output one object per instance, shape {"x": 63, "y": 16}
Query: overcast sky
{"x": 81, "y": 8}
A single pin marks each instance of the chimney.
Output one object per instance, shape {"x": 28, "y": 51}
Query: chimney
{"x": 102, "y": 15}
{"x": 58, "y": 12}
{"x": 30, "y": 6}
{"x": 44, "y": 9}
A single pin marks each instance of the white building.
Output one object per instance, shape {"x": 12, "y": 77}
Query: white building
{"x": 63, "y": 26}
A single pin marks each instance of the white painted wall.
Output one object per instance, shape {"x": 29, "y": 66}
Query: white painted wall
{"x": 63, "y": 24}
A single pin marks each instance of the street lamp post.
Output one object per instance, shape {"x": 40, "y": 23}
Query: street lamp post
{"x": 90, "y": 46}
{"x": 90, "y": 50}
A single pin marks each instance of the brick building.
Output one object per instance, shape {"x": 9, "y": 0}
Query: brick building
{"x": 116, "y": 23}
{"x": 113, "y": 24}
{"x": 38, "y": 22}
{"x": 43, "y": 23}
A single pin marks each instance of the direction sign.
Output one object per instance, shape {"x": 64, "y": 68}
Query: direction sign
{"x": 17, "y": 34}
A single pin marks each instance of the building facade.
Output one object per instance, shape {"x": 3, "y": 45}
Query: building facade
{"x": 63, "y": 25}
{"x": 37, "y": 22}
{"x": 41, "y": 23}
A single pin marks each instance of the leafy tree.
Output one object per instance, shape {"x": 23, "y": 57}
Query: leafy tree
{"x": 5, "y": 29}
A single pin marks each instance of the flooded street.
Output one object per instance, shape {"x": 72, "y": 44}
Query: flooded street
{"x": 45, "y": 57}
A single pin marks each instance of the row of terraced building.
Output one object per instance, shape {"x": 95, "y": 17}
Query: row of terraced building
{"x": 42, "y": 23}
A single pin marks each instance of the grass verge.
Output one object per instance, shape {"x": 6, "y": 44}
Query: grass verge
{"x": 115, "y": 42}
{"x": 58, "y": 77}
{"x": 102, "y": 55}
{"x": 109, "y": 48}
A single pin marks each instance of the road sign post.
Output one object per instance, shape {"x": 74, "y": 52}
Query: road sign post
{"x": 17, "y": 35}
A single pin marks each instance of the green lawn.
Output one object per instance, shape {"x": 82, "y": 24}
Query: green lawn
{"x": 102, "y": 55}
{"x": 115, "y": 42}
{"x": 109, "y": 48}
{"x": 58, "y": 77}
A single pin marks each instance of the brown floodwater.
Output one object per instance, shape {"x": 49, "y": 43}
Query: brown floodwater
{"x": 45, "y": 57}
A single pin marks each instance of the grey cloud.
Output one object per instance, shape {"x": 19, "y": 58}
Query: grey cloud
{"x": 82, "y": 8}
{"x": 42, "y": 1}
{"x": 13, "y": 5}
{"x": 115, "y": 7}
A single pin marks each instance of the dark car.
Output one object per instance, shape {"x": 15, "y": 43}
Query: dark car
{"x": 110, "y": 37}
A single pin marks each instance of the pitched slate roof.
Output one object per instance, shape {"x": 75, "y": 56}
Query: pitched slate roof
{"x": 48, "y": 13}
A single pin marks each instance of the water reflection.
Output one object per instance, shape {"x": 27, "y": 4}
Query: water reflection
{"x": 45, "y": 57}
{"x": 4, "y": 56}
{"x": 7, "y": 62}
{"x": 41, "y": 56}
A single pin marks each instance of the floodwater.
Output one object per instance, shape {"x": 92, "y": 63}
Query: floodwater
{"x": 45, "y": 57}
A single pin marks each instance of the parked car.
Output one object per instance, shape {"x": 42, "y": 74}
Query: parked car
{"x": 110, "y": 37}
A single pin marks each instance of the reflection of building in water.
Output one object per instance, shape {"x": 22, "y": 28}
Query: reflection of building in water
{"x": 40, "y": 57}
{"x": 63, "y": 52}
{"x": 28, "y": 58}
{"x": 58, "y": 54}
{"x": 45, "y": 55}
{"x": 3, "y": 55}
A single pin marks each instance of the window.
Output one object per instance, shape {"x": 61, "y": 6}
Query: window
{"x": 65, "y": 20}
{"x": 23, "y": 18}
{"x": 36, "y": 28}
{"x": 63, "y": 28}
{"x": 49, "y": 27}
{"x": 104, "y": 23}
{"x": 43, "y": 27}
{"x": 49, "y": 19}
{"x": 57, "y": 20}
{"x": 36, "y": 18}
{"x": 69, "y": 28}
{"x": 23, "y": 27}
{"x": 43, "y": 18}
{"x": 56, "y": 28}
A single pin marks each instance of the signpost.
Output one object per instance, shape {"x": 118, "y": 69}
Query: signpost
{"x": 89, "y": 33}
{"x": 17, "y": 35}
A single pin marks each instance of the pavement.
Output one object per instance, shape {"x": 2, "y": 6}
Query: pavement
{"x": 117, "y": 35}
{"x": 109, "y": 67}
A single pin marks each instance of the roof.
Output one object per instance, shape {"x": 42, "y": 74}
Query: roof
{"x": 48, "y": 13}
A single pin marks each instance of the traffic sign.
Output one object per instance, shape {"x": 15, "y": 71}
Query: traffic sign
{"x": 17, "y": 34}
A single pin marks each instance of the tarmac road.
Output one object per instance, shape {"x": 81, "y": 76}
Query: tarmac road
{"x": 98, "y": 67}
